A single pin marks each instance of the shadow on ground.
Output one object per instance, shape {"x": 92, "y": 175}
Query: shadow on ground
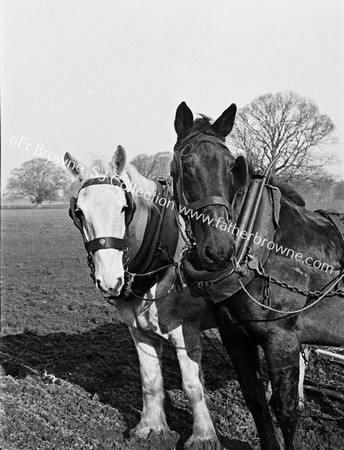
{"x": 103, "y": 361}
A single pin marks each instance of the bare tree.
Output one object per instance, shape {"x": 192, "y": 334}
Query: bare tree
{"x": 71, "y": 189}
{"x": 338, "y": 191}
{"x": 37, "y": 180}
{"x": 152, "y": 166}
{"x": 287, "y": 125}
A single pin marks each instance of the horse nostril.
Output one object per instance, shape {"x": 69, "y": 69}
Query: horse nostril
{"x": 120, "y": 283}
{"x": 207, "y": 253}
{"x": 99, "y": 286}
{"x": 117, "y": 286}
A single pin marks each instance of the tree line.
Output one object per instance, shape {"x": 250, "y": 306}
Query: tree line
{"x": 285, "y": 125}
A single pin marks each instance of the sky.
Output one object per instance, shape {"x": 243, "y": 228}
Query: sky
{"x": 86, "y": 75}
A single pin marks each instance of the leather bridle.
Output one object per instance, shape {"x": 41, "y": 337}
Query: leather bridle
{"x": 177, "y": 174}
{"x": 158, "y": 246}
{"x": 104, "y": 242}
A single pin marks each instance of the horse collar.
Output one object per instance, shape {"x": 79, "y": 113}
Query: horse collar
{"x": 158, "y": 246}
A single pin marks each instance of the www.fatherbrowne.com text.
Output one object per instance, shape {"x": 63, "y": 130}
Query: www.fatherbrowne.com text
{"x": 231, "y": 228}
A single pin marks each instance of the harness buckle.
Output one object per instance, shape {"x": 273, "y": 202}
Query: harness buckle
{"x": 304, "y": 356}
{"x": 129, "y": 282}
{"x": 204, "y": 284}
{"x": 255, "y": 264}
{"x": 158, "y": 249}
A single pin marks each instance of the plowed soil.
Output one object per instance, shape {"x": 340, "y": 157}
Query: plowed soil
{"x": 70, "y": 374}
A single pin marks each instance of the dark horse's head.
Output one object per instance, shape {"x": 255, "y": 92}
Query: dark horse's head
{"x": 201, "y": 168}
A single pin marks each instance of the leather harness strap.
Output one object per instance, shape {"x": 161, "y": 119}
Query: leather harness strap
{"x": 145, "y": 254}
{"x": 106, "y": 242}
{"x": 333, "y": 216}
{"x": 213, "y": 200}
{"x": 158, "y": 245}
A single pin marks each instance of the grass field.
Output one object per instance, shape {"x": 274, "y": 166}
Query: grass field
{"x": 70, "y": 375}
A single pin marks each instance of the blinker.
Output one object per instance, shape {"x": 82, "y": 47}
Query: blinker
{"x": 73, "y": 213}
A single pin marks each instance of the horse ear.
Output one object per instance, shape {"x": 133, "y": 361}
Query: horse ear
{"x": 119, "y": 160}
{"x": 184, "y": 119}
{"x": 224, "y": 124}
{"x": 74, "y": 166}
{"x": 240, "y": 172}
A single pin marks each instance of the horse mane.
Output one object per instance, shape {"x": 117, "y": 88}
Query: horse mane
{"x": 98, "y": 168}
{"x": 287, "y": 190}
{"x": 139, "y": 180}
{"x": 290, "y": 193}
{"x": 203, "y": 124}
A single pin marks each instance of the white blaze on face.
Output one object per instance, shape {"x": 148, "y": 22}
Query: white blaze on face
{"x": 103, "y": 207}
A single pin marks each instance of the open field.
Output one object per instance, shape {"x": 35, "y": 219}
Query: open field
{"x": 70, "y": 375}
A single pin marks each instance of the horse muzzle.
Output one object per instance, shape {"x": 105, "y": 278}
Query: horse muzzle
{"x": 110, "y": 290}
{"x": 213, "y": 258}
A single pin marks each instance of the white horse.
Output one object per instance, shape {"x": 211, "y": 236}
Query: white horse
{"x": 160, "y": 312}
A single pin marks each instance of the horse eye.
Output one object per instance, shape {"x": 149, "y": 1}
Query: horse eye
{"x": 124, "y": 208}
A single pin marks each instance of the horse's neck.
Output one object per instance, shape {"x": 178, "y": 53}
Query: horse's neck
{"x": 309, "y": 233}
{"x": 141, "y": 188}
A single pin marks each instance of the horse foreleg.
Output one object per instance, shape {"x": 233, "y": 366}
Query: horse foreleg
{"x": 245, "y": 358}
{"x": 149, "y": 351}
{"x": 187, "y": 342}
{"x": 301, "y": 404}
{"x": 303, "y": 366}
{"x": 282, "y": 354}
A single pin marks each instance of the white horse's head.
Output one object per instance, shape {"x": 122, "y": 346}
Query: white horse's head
{"x": 105, "y": 208}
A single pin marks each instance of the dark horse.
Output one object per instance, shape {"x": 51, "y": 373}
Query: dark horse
{"x": 260, "y": 310}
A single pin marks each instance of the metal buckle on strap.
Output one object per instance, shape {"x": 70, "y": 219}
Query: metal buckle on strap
{"x": 204, "y": 284}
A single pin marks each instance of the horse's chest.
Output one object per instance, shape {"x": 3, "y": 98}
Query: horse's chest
{"x": 147, "y": 320}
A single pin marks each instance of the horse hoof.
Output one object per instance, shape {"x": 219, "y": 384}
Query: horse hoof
{"x": 153, "y": 440}
{"x": 143, "y": 431}
{"x": 208, "y": 444}
{"x": 301, "y": 405}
